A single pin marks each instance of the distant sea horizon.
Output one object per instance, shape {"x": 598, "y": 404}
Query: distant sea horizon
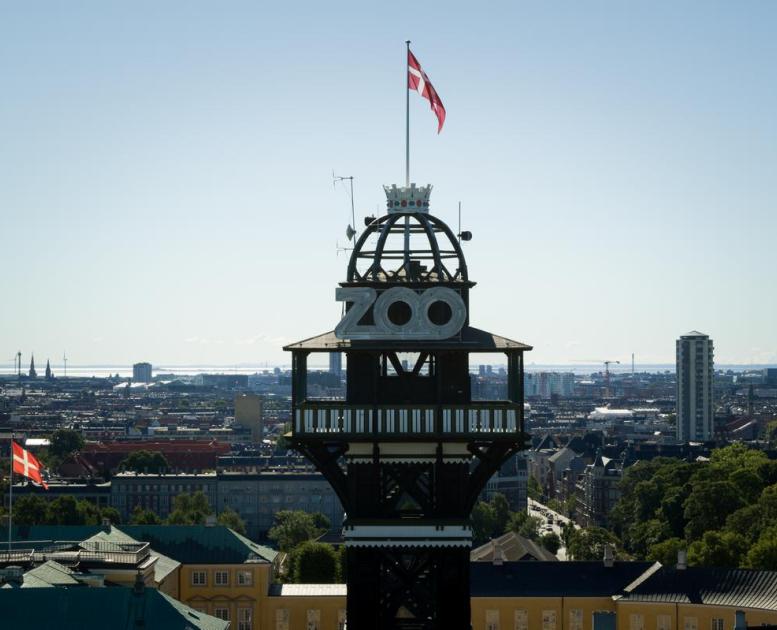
{"x": 106, "y": 370}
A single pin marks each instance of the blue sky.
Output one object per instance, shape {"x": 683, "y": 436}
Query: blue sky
{"x": 165, "y": 171}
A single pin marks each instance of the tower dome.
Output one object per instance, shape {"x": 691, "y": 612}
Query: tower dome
{"x": 408, "y": 244}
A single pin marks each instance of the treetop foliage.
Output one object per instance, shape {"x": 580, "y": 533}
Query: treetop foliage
{"x": 721, "y": 511}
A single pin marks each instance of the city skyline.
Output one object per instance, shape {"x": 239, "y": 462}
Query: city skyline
{"x": 166, "y": 174}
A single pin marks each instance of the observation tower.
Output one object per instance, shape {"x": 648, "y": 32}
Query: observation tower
{"x": 408, "y": 450}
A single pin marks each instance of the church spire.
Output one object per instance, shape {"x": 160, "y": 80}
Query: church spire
{"x": 49, "y": 373}
{"x": 33, "y": 373}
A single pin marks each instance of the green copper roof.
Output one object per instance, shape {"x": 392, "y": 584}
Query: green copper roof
{"x": 118, "y": 608}
{"x": 49, "y": 574}
{"x": 188, "y": 544}
{"x": 201, "y": 544}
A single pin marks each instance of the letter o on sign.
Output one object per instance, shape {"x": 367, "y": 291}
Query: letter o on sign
{"x": 397, "y": 300}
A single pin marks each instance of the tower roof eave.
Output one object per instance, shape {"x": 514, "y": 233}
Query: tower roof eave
{"x": 470, "y": 339}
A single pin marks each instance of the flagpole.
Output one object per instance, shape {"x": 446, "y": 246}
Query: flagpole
{"x": 407, "y": 155}
{"x": 10, "y": 500}
{"x": 407, "y": 116}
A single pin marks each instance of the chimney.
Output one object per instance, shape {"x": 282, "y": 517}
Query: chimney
{"x": 498, "y": 555}
{"x": 107, "y": 524}
{"x": 682, "y": 560}
{"x": 739, "y": 620}
{"x": 210, "y": 520}
{"x": 139, "y": 585}
{"x": 609, "y": 556}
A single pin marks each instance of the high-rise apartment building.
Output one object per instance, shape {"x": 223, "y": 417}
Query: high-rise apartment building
{"x": 141, "y": 373}
{"x": 336, "y": 363}
{"x": 695, "y": 373}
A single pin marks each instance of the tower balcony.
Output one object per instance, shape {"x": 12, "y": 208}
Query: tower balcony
{"x": 478, "y": 420}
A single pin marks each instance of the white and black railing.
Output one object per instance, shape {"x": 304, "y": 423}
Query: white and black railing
{"x": 479, "y": 418}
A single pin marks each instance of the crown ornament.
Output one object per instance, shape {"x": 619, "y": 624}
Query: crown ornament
{"x": 407, "y": 198}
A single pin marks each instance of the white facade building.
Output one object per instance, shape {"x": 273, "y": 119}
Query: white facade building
{"x": 141, "y": 373}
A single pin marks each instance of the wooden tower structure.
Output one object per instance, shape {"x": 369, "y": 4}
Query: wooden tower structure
{"x": 407, "y": 450}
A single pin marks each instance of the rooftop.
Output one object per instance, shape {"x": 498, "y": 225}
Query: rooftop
{"x": 743, "y": 588}
{"x": 98, "y": 609}
{"x": 469, "y": 339}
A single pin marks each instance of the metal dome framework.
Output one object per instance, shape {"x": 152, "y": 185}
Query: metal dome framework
{"x": 412, "y": 269}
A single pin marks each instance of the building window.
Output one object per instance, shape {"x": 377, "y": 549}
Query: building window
{"x": 576, "y": 619}
{"x": 690, "y": 623}
{"x": 717, "y": 624}
{"x": 341, "y": 619}
{"x": 245, "y": 618}
{"x": 222, "y": 578}
{"x": 492, "y": 620}
{"x": 521, "y": 619}
{"x": 636, "y": 622}
{"x": 282, "y": 619}
{"x": 314, "y": 619}
{"x": 199, "y": 578}
{"x": 245, "y": 578}
{"x": 548, "y": 620}
{"x": 221, "y": 613}
{"x": 663, "y": 622}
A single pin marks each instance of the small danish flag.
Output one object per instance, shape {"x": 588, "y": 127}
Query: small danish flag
{"x": 25, "y": 463}
{"x": 417, "y": 80}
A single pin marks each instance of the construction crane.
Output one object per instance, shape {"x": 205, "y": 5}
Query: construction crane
{"x": 607, "y": 371}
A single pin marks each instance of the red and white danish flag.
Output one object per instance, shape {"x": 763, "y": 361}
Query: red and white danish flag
{"x": 25, "y": 463}
{"x": 417, "y": 80}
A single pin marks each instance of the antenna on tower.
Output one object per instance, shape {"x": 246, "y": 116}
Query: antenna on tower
{"x": 463, "y": 236}
{"x": 350, "y": 231}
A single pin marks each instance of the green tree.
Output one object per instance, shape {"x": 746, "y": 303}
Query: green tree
{"x": 673, "y": 510}
{"x": 88, "y": 513}
{"x": 144, "y": 517}
{"x": 588, "y": 543}
{"x": 718, "y": 549}
{"x": 645, "y": 535}
{"x": 763, "y": 554}
{"x": 231, "y": 519}
{"x": 145, "y": 462}
{"x": 321, "y": 521}
{"x": 534, "y": 489}
{"x": 189, "y": 509}
{"x": 64, "y": 442}
{"x": 708, "y": 506}
{"x": 112, "y": 514}
{"x": 516, "y": 521}
{"x": 342, "y": 563}
{"x": 748, "y": 483}
{"x": 736, "y": 457}
{"x": 770, "y": 433}
{"x": 551, "y": 542}
{"x": 30, "y": 510}
{"x": 483, "y": 520}
{"x": 501, "y": 512}
{"x": 665, "y": 552}
{"x": 531, "y": 528}
{"x": 293, "y": 527}
{"x": 567, "y": 532}
{"x": 314, "y": 563}
{"x": 64, "y": 511}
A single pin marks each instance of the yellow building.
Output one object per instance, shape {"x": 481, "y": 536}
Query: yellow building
{"x": 568, "y": 596}
{"x": 218, "y": 572}
{"x": 222, "y": 573}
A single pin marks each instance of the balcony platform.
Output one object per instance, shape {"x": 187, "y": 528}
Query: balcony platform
{"x": 479, "y": 420}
